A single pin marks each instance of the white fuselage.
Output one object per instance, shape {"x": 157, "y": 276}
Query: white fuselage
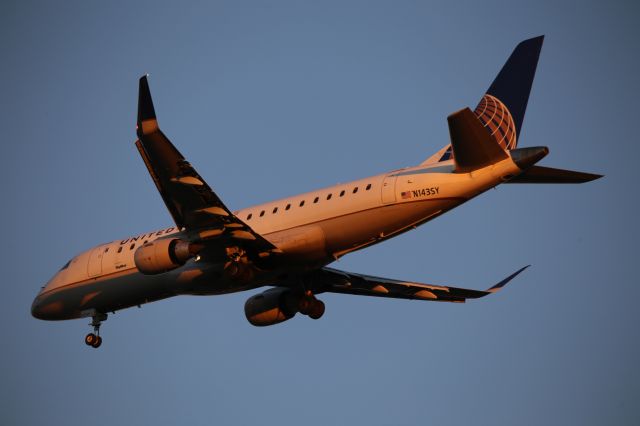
{"x": 311, "y": 229}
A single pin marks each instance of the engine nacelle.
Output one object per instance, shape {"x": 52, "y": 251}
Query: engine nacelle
{"x": 271, "y": 307}
{"x": 161, "y": 256}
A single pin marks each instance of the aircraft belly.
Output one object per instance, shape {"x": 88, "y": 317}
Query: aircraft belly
{"x": 354, "y": 231}
{"x": 301, "y": 244}
{"x": 101, "y": 295}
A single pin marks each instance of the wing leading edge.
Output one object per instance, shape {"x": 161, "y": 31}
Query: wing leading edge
{"x": 336, "y": 281}
{"x": 191, "y": 202}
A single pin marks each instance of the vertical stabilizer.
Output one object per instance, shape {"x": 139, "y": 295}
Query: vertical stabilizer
{"x": 501, "y": 109}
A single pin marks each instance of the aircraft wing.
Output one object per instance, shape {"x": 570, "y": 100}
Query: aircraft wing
{"x": 336, "y": 281}
{"x": 191, "y": 202}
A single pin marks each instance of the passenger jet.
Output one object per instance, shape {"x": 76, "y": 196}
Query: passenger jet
{"x": 287, "y": 244}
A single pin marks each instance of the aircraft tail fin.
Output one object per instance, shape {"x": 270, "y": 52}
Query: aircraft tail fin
{"x": 501, "y": 109}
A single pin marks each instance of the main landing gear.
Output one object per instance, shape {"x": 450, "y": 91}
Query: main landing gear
{"x": 93, "y": 339}
{"x": 311, "y": 306}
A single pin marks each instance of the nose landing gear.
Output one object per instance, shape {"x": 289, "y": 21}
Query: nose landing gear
{"x": 93, "y": 339}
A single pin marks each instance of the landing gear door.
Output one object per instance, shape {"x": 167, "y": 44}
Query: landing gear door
{"x": 389, "y": 189}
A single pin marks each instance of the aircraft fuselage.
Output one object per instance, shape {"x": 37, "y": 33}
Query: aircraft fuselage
{"x": 312, "y": 229}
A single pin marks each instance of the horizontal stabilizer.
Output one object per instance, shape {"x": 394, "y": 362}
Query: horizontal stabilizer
{"x": 539, "y": 174}
{"x": 473, "y": 146}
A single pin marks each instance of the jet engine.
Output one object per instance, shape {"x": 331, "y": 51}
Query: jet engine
{"x": 161, "y": 256}
{"x": 277, "y": 305}
{"x": 271, "y": 307}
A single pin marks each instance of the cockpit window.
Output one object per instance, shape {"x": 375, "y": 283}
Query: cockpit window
{"x": 66, "y": 265}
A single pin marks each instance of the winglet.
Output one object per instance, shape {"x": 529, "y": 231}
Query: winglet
{"x": 147, "y": 122}
{"x": 504, "y": 282}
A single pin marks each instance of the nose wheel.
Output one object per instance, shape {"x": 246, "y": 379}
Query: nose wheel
{"x": 93, "y": 339}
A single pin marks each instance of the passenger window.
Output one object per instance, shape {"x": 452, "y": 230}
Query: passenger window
{"x": 342, "y": 193}
{"x": 106, "y": 250}
{"x": 275, "y": 210}
{"x": 120, "y": 249}
{"x": 329, "y": 197}
{"x": 288, "y": 207}
{"x": 368, "y": 187}
{"x": 301, "y": 203}
{"x": 262, "y": 213}
{"x": 249, "y": 216}
{"x": 132, "y": 246}
{"x": 355, "y": 189}
{"x": 315, "y": 200}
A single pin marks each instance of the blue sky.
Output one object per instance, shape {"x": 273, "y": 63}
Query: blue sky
{"x": 268, "y": 99}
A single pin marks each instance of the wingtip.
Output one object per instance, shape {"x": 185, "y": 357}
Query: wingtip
{"x": 505, "y": 281}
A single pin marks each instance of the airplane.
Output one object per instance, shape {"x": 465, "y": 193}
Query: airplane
{"x": 287, "y": 244}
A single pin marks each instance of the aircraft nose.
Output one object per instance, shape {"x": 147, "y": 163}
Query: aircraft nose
{"x": 45, "y": 308}
{"x": 36, "y": 308}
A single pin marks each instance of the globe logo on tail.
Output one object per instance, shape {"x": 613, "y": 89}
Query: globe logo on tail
{"x": 495, "y": 116}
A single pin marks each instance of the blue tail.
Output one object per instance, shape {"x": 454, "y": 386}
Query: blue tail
{"x": 502, "y": 108}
